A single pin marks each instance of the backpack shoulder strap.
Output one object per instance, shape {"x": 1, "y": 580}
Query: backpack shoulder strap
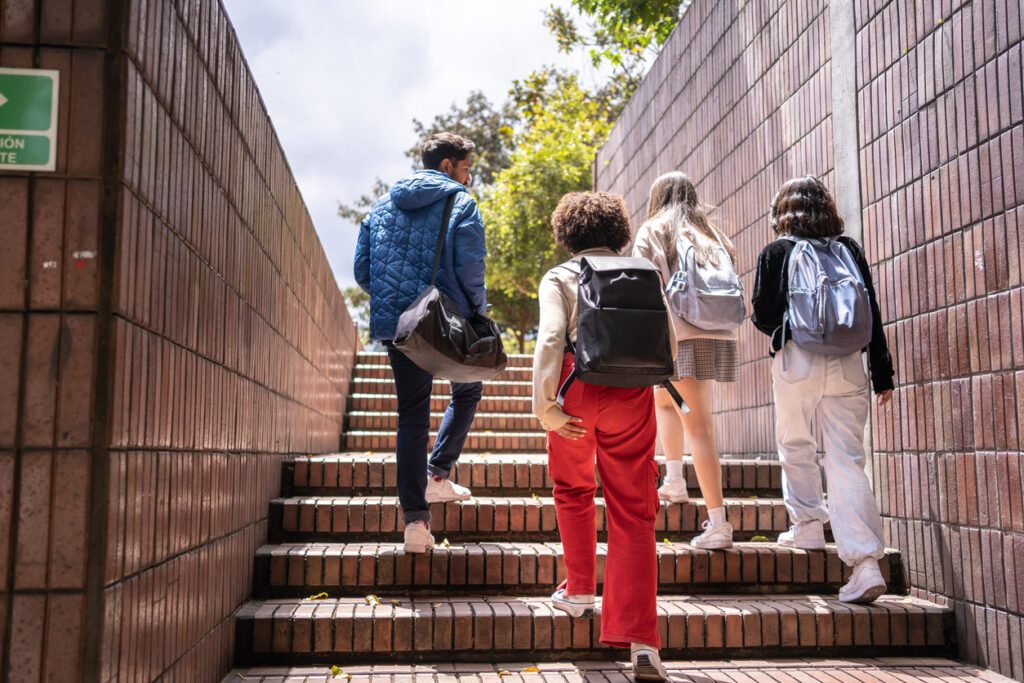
{"x": 670, "y": 388}
{"x": 566, "y": 385}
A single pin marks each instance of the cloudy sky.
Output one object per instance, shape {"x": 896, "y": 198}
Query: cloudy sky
{"x": 343, "y": 80}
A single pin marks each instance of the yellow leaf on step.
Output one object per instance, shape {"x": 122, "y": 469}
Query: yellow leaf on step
{"x": 446, "y": 544}
{"x": 318, "y": 596}
{"x": 760, "y": 539}
{"x": 535, "y": 496}
{"x": 504, "y": 673}
{"x": 531, "y": 670}
{"x": 372, "y": 600}
{"x": 667, "y": 542}
{"x": 336, "y": 672}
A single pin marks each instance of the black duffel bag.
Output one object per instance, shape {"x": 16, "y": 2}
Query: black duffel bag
{"x": 437, "y": 338}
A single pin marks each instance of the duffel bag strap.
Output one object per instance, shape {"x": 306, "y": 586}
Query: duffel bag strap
{"x": 445, "y": 219}
{"x": 670, "y": 388}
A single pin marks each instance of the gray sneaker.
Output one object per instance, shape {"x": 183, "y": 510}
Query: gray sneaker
{"x": 647, "y": 664}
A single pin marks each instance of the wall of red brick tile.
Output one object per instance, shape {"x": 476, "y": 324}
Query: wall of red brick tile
{"x": 740, "y": 99}
{"x": 148, "y": 394}
{"x": 942, "y": 140}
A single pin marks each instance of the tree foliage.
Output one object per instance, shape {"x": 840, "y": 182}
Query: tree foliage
{"x": 625, "y": 34}
{"x": 488, "y": 126}
{"x": 358, "y": 303}
{"x": 554, "y": 155}
{"x": 540, "y": 144}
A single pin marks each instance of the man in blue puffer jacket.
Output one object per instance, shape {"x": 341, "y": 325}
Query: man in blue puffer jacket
{"x": 393, "y": 264}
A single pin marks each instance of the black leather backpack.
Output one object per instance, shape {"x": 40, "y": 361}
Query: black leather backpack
{"x": 623, "y": 337}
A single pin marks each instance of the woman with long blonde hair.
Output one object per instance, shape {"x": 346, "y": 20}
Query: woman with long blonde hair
{"x": 676, "y": 216}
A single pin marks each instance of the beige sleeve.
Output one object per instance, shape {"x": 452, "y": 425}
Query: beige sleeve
{"x": 647, "y": 246}
{"x": 547, "y": 359}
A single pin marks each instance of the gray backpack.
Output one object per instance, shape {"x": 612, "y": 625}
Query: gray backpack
{"x": 829, "y": 307}
{"x": 706, "y": 295}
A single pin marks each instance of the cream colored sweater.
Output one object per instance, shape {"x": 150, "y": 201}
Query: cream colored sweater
{"x": 648, "y": 245}
{"x": 558, "y": 314}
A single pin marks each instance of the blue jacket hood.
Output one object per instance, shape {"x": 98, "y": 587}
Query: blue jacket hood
{"x": 422, "y": 188}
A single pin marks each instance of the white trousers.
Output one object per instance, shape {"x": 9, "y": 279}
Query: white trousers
{"x": 833, "y": 390}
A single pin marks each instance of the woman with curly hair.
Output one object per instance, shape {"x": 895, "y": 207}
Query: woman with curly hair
{"x": 704, "y": 358}
{"x": 834, "y": 388}
{"x": 611, "y": 425}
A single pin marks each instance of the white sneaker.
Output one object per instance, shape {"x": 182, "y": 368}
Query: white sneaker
{"x": 866, "y": 583}
{"x": 573, "y": 605}
{"x": 444, "y": 491}
{"x": 806, "y": 536}
{"x": 647, "y": 664}
{"x": 418, "y": 538}
{"x": 674, "y": 491}
{"x": 717, "y": 537}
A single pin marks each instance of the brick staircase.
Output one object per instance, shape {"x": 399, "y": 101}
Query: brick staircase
{"x": 333, "y": 587}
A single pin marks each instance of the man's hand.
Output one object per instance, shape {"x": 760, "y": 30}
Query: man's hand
{"x": 884, "y": 397}
{"x": 570, "y": 431}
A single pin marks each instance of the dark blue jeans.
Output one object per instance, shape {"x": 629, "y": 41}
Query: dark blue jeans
{"x": 413, "y": 387}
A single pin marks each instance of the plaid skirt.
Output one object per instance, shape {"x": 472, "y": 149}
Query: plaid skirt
{"x": 716, "y": 359}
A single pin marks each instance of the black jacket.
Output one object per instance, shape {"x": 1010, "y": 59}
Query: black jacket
{"x": 770, "y": 302}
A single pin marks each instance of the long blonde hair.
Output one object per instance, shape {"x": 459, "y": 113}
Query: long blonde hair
{"x": 673, "y": 207}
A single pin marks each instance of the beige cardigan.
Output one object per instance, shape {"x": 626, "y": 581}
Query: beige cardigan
{"x": 558, "y": 315}
{"x": 648, "y": 245}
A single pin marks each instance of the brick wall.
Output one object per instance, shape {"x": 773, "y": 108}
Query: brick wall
{"x": 148, "y": 394}
{"x": 740, "y": 99}
{"x": 942, "y": 150}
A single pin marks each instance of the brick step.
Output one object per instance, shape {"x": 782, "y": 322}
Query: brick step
{"x": 386, "y": 387}
{"x": 877, "y": 670}
{"x": 356, "y": 569}
{"x": 439, "y": 400}
{"x": 373, "y": 420}
{"x": 489, "y": 629}
{"x": 484, "y": 518}
{"x": 381, "y": 358}
{"x": 478, "y": 440}
{"x": 493, "y": 474}
{"x": 379, "y": 371}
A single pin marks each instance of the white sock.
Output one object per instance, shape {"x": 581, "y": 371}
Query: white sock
{"x": 673, "y": 470}
{"x": 716, "y": 516}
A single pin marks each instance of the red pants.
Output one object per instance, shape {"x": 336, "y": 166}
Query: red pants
{"x": 620, "y": 432}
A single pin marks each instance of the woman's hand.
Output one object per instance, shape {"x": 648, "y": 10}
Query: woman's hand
{"x": 884, "y": 397}
{"x": 570, "y": 431}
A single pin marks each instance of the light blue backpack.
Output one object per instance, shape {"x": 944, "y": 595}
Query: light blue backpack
{"x": 707, "y": 295}
{"x": 829, "y": 307}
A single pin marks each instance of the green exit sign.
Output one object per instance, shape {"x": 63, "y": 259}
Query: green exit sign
{"x": 28, "y": 119}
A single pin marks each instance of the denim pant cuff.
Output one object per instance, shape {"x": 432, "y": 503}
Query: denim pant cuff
{"x": 410, "y": 517}
{"x": 436, "y": 471}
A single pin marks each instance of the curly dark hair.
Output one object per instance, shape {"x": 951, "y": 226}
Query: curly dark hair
{"x": 589, "y": 220}
{"x": 804, "y": 208}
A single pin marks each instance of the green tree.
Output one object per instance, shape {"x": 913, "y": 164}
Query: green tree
{"x": 358, "y": 303}
{"x": 624, "y": 34}
{"x": 553, "y": 155}
{"x": 488, "y": 126}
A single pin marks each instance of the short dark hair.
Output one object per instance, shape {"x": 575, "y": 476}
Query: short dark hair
{"x": 589, "y": 220}
{"x": 441, "y": 146}
{"x": 805, "y": 208}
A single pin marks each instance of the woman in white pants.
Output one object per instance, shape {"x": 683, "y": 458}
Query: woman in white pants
{"x": 833, "y": 387}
